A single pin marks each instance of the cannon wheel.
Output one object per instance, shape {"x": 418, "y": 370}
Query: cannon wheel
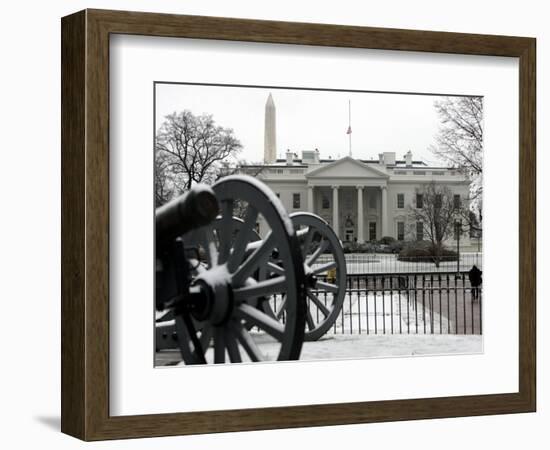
{"x": 325, "y": 279}
{"x": 237, "y": 325}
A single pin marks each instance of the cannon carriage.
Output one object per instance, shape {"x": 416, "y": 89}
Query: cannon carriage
{"x": 225, "y": 294}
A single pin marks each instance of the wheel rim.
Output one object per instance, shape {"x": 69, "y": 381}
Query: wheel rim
{"x": 237, "y": 327}
{"x": 324, "y": 270}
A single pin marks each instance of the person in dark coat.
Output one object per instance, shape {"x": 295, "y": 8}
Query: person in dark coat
{"x": 474, "y": 274}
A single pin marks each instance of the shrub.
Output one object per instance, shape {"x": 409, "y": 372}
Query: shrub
{"x": 387, "y": 240}
{"x": 355, "y": 247}
{"x": 397, "y": 246}
{"x": 423, "y": 251}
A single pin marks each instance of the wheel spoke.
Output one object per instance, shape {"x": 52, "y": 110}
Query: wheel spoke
{"x": 256, "y": 259}
{"x": 248, "y": 343}
{"x": 251, "y": 246}
{"x": 307, "y": 241}
{"x": 318, "y": 303}
{"x": 309, "y": 320}
{"x": 219, "y": 346}
{"x": 243, "y": 237}
{"x": 281, "y": 310}
{"x": 225, "y": 231}
{"x": 325, "y": 267}
{"x": 327, "y": 286}
{"x": 318, "y": 252}
{"x": 187, "y": 349}
{"x": 208, "y": 242}
{"x": 275, "y": 268}
{"x": 206, "y": 336}
{"x": 262, "y": 288}
{"x": 257, "y": 318}
{"x": 232, "y": 346}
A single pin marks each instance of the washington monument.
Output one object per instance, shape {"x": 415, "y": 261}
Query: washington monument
{"x": 270, "y": 138}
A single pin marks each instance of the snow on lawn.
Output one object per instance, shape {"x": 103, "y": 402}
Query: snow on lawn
{"x": 386, "y": 313}
{"x": 388, "y": 263}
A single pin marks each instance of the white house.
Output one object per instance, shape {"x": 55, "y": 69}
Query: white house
{"x": 362, "y": 200}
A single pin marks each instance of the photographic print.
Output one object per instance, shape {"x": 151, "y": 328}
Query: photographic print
{"x": 313, "y": 224}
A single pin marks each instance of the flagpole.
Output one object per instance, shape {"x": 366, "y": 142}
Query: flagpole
{"x": 349, "y": 125}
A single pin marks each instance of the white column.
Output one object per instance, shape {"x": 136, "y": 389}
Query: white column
{"x": 384, "y": 211}
{"x": 310, "y": 205}
{"x": 360, "y": 226}
{"x": 335, "y": 225}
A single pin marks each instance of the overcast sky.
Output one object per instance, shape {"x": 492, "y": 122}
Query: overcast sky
{"x": 309, "y": 119}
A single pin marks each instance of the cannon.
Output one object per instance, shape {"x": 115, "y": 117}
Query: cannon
{"x": 225, "y": 293}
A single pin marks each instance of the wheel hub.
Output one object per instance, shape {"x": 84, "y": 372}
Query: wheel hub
{"x": 311, "y": 279}
{"x": 217, "y": 295}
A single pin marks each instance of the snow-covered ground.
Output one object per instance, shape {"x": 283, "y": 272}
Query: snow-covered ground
{"x": 385, "y": 313}
{"x": 347, "y": 346}
{"x": 388, "y": 263}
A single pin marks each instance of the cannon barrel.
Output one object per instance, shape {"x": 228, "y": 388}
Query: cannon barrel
{"x": 195, "y": 208}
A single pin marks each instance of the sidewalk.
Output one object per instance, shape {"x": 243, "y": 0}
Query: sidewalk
{"x": 369, "y": 346}
{"x": 348, "y": 346}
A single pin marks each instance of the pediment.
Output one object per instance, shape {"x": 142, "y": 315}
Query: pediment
{"x": 347, "y": 168}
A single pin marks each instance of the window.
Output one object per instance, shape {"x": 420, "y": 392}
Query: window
{"x": 372, "y": 231}
{"x": 438, "y": 202}
{"x": 419, "y": 231}
{"x": 456, "y": 201}
{"x": 325, "y": 201}
{"x": 419, "y": 201}
{"x": 400, "y": 231}
{"x": 400, "y": 201}
{"x": 295, "y": 201}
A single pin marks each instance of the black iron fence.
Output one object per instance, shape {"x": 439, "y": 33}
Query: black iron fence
{"x": 407, "y": 303}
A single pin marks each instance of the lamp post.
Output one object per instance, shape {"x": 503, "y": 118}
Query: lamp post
{"x": 458, "y": 231}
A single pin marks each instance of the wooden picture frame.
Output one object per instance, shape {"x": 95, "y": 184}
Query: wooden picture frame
{"x": 85, "y": 224}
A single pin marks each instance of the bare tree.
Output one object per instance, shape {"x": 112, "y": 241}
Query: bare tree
{"x": 460, "y": 138}
{"x": 242, "y": 167}
{"x": 437, "y": 211}
{"x": 164, "y": 179}
{"x": 459, "y": 142}
{"x": 191, "y": 148}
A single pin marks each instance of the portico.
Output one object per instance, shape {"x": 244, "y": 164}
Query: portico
{"x": 351, "y": 197}
{"x": 351, "y": 210}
